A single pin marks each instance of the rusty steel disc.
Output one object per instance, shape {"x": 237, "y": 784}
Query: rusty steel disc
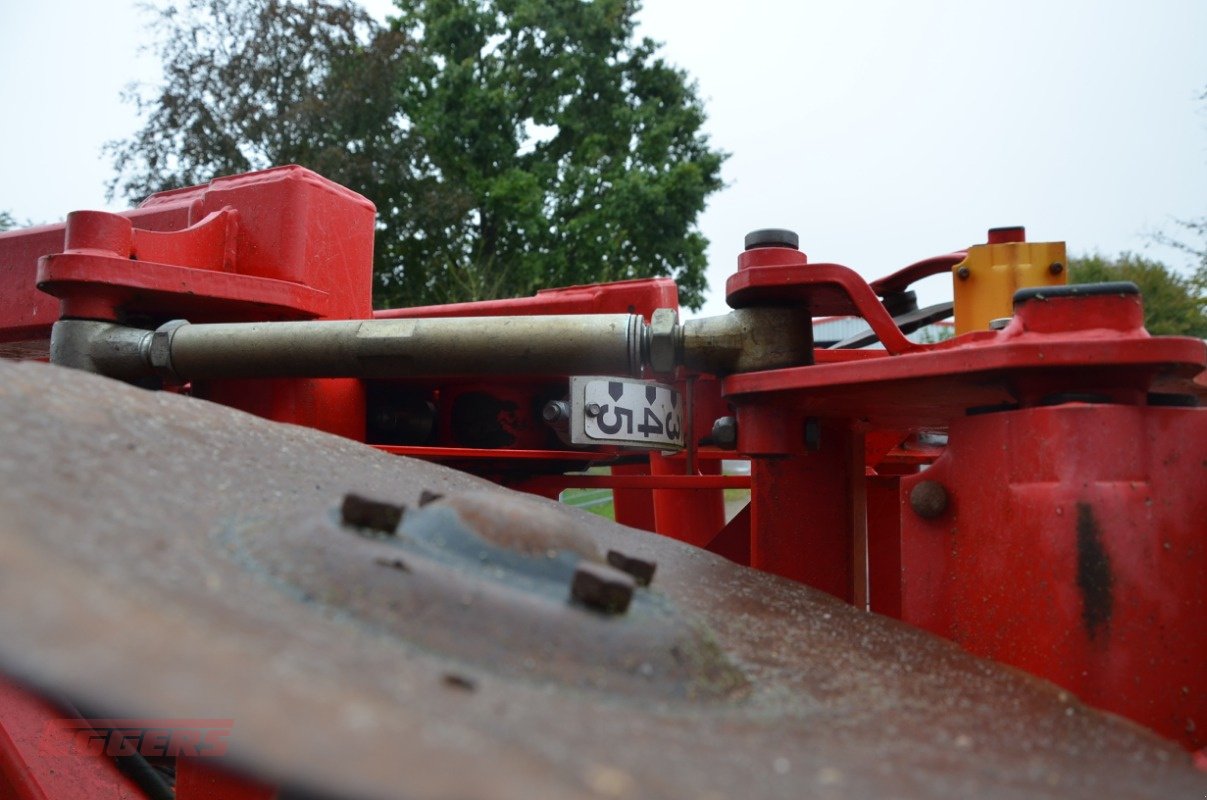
{"x": 163, "y": 557}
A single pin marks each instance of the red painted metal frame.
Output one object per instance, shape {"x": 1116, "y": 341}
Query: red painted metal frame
{"x": 638, "y": 296}
{"x": 195, "y": 778}
{"x": 661, "y": 495}
{"x": 35, "y": 758}
{"x": 482, "y": 453}
{"x": 109, "y": 268}
{"x": 1073, "y": 547}
{"x": 826, "y": 290}
{"x": 284, "y": 243}
{"x": 1047, "y": 418}
{"x": 690, "y": 482}
{"x": 933, "y": 385}
{"x": 905, "y": 277}
{"x": 1072, "y": 543}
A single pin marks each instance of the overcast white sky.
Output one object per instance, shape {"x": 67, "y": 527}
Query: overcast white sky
{"x": 882, "y": 132}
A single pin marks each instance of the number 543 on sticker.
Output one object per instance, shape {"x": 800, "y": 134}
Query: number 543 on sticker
{"x": 626, "y": 412}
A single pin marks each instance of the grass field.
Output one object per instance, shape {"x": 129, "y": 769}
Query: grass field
{"x": 599, "y": 501}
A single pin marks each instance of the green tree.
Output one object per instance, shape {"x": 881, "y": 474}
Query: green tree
{"x": 7, "y": 221}
{"x": 1173, "y": 304}
{"x": 257, "y": 83}
{"x": 250, "y": 84}
{"x": 573, "y": 152}
{"x": 1193, "y": 242}
{"x": 1195, "y": 247}
{"x": 509, "y": 145}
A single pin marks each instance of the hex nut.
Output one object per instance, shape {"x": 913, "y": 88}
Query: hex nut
{"x": 159, "y": 353}
{"x": 374, "y": 515}
{"x": 725, "y": 433}
{"x": 928, "y": 499}
{"x": 641, "y": 569}
{"x": 454, "y": 680}
{"x": 556, "y": 412}
{"x": 663, "y": 330}
{"x": 602, "y": 588}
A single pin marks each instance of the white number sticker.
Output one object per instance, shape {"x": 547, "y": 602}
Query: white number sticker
{"x": 642, "y": 413}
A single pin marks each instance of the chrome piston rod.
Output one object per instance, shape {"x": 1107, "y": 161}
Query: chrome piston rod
{"x": 571, "y": 344}
{"x": 380, "y": 348}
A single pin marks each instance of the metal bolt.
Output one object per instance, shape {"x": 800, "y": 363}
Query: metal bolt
{"x": 663, "y": 328}
{"x": 962, "y": 273}
{"x": 361, "y": 512}
{"x": 593, "y": 409}
{"x": 1056, "y": 268}
{"x": 928, "y": 499}
{"x": 602, "y": 588}
{"x": 772, "y": 237}
{"x": 641, "y": 570}
{"x": 556, "y": 411}
{"x": 725, "y": 433}
{"x": 454, "y": 681}
{"x": 812, "y": 435}
{"x": 159, "y": 349}
{"x": 426, "y": 497}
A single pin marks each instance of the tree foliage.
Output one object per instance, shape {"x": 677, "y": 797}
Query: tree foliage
{"x": 509, "y": 145}
{"x": 1173, "y": 304}
{"x": 1192, "y": 241}
{"x": 7, "y": 221}
{"x": 1195, "y": 247}
{"x": 571, "y": 153}
{"x": 251, "y": 84}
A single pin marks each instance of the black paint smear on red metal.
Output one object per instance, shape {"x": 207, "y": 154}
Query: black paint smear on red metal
{"x": 1094, "y": 577}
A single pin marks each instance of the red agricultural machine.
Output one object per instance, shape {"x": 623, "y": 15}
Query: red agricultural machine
{"x": 979, "y": 565}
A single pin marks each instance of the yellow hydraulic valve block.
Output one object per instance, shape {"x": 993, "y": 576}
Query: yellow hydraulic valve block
{"x": 986, "y": 280}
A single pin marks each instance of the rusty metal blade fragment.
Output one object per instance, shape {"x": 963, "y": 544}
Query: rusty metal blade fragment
{"x": 165, "y": 557}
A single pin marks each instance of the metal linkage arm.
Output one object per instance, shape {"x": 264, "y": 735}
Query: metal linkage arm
{"x": 572, "y": 344}
{"x": 603, "y": 343}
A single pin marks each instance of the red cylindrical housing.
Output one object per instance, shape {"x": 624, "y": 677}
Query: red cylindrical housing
{"x": 1073, "y": 546}
{"x": 101, "y": 231}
